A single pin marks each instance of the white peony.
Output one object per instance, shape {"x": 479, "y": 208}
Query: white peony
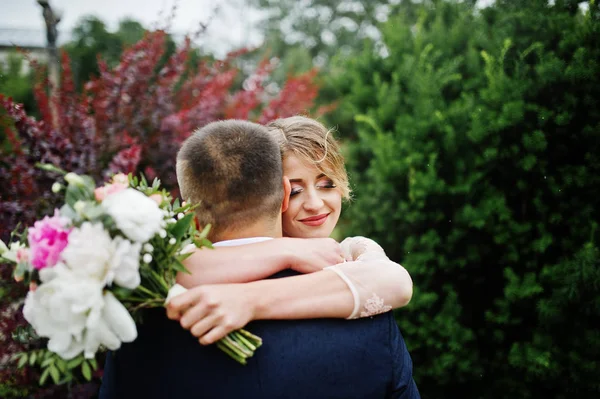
{"x": 75, "y": 314}
{"x": 125, "y": 270}
{"x": 89, "y": 251}
{"x": 92, "y": 253}
{"x": 136, "y": 215}
{"x": 113, "y": 327}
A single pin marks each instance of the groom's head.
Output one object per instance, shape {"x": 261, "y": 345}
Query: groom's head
{"x": 233, "y": 170}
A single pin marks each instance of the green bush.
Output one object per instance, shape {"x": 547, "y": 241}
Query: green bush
{"x": 474, "y": 152}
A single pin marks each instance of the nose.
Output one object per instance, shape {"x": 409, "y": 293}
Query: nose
{"x": 313, "y": 202}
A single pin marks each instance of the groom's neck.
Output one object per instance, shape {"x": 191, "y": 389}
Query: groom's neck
{"x": 259, "y": 229}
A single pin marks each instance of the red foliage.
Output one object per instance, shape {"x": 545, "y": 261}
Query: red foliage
{"x": 131, "y": 118}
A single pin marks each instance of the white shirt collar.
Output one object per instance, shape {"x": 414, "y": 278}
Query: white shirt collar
{"x": 240, "y": 241}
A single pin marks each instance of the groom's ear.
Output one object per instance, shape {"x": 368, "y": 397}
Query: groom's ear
{"x": 287, "y": 189}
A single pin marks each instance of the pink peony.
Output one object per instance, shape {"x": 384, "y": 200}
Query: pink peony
{"x": 102, "y": 192}
{"x": 47, "y": 239}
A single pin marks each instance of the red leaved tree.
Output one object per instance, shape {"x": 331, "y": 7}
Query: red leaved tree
{"x": 131, "y": 118}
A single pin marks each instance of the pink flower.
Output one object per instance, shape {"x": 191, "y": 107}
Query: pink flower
{"x": 47, "y": 239}
{"x": 102, "y": 192}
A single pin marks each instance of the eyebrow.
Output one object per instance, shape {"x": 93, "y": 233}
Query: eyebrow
{"x": 300, "y": 180}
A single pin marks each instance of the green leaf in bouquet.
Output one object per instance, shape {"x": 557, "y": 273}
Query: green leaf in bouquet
{"x": 179, "y": 229}
{"x": 54, "y": 373}
{"x": 21, "y": 270}
{"x": 204, "y": 233}
{"x": 48, "y": 362}
{"x": 76, "y": 193}
{"x": 44, "y": 376}
{"x": 71, "y": 364}
{"x": 50, "y": 168}
{"x": 86, "y": 371}
{"x": 156, "y": 184}
{"x": 68, "y": 211}
{"x": 179, "y": 267}
{"x": 176, "y": 204}
{"x": 93, "y": 363}
{"x": 203, "y": 243}
{"x": 88, "y": 187}
{"x": 62, "y": 365}
{"x": 32, "y": 358}
{"x": 120, "y": 292}
{"x": 22, "y": 360}
{"x": 92, "y": 211}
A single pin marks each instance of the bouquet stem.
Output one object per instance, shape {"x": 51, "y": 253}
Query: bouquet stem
{"x": 240, "y": 345}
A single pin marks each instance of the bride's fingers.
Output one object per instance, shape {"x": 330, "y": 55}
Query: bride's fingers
{"x": 193, "y": 315}
{"x": 214, "y": 335}
{"x": 200, "y": 328}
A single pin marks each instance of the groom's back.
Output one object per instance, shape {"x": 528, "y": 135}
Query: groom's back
{"x": 299, "y": 359}
{"x": 323, "y": 358}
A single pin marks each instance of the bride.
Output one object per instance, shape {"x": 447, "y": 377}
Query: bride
{"x": 372, "y": 283}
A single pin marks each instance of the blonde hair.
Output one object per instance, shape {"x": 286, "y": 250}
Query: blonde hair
{"x": 313, "y": 143}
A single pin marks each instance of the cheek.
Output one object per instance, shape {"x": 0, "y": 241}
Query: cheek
{"x": 287, "y": 217}
{"x": 335, "y": 202}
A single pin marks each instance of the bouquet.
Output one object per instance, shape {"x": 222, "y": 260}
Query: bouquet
{"x": 107, "y": 253}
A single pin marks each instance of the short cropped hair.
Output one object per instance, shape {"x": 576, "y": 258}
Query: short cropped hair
{"x": 314, "y": 144}
{"x": 233, "y": 170}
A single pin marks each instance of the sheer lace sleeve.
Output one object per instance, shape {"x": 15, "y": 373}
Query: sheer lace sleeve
{"x": 377, "y": 284}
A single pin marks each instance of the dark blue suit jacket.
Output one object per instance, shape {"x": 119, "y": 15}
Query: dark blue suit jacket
{"x": 320, "y": 358}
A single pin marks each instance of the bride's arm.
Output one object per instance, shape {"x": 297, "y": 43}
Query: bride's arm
{"x": 251, "y": 262}
{"x": 377, "y": 284}
{"x": 212, "y": 311}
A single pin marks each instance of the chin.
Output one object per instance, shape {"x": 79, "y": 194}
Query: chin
{"x": 323, "y": 232}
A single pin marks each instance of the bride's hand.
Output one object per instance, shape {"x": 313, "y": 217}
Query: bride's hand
{"x": 313, "y": 254}
{"x": 212, "y": 311}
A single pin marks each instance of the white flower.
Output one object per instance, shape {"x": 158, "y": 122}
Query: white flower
{"x": 92, "y": 253}
{"x": 136, "y": 215}
{"x": 125, "y": 267}
{"x": 147, "y": 258}
{"x": 56, "y": 187}
{"x": 76, "y": 315}
{"x": 148, "y": 247}
{"x": 115, "y": 326}
{"x": 172, "y": 241}
{"x": 175, "y": 290}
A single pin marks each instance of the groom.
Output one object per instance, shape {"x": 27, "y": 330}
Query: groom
{"x": 235, "y": 167}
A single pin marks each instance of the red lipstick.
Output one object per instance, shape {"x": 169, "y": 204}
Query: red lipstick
{"x": 315, "y": 220}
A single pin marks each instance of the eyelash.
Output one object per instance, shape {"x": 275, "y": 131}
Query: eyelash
{"x": 328, "y": 185}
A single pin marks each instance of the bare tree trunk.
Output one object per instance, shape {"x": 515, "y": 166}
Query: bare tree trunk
{"x": 52, "y": 19}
